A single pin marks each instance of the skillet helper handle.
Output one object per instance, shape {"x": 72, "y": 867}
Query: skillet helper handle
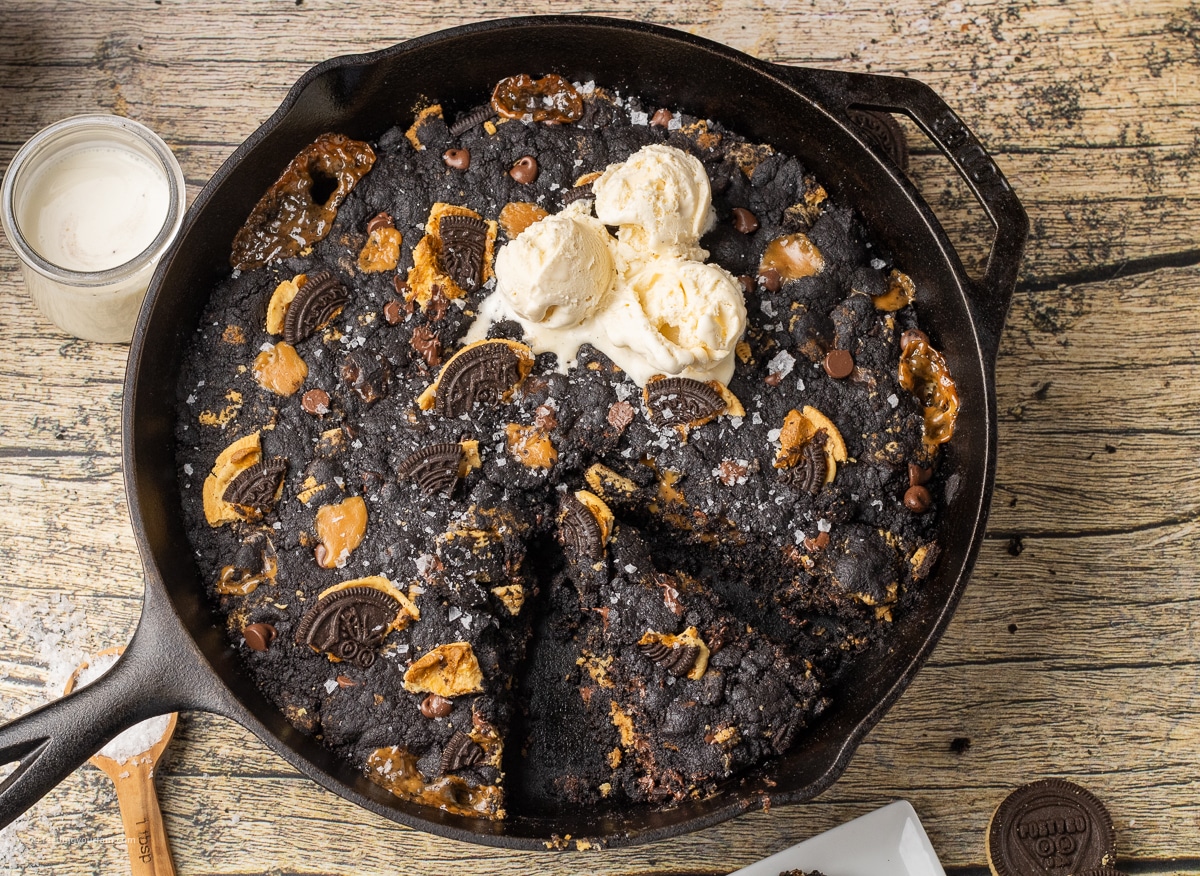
{"x": 151, "y": 678}
{"x": 839, "y": 91}
{"x": 145, "y": 835}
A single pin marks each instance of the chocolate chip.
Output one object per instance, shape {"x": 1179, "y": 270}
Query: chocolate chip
{"x": 315, "y": 402}
{"x": 259, "y": 636}
{"x": 525, "y": 170}
{"x": 380, "y": 220}
{"x": 772, "y": 279}
{"x": 748, "y": 284}
{"x": 436, "y": 706}
{"x": 425, "y": 342}
{"x": 918, "y": 476}
{"x": 368, "y": 374}
{"x": 459, "y": 159}
{"x": 620, "y": 415}
{"x": 345, "y": 682}
{"x": 917, "y": 499}
{"x": 401, "y": 285}
{"x": 392, "y": 313}
{"x": 817, "y": 544}
{"x": 1050, "y": 828}
{"x": 661, "y": 118}
{"x": 544, "y": 418}
{"x": 744, "y": 221}
{"x": 839, "y": 364}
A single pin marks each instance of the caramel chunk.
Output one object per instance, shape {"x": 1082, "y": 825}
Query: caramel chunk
{"x": 280, "y": 369}
{"x": 299, "y": 208}
{"x": 924, "y": 373}
{"x": 448, "y": 671}
{"x": 792, "y": 256}
{"x": 381, "y": 251}
{"x": 549, "y": 99}
{"x": 340, "y": 529}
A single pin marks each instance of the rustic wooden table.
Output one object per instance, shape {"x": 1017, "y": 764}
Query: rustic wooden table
{"x": 1076, "y": 651}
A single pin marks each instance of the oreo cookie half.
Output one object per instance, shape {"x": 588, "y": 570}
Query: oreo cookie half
{"x": 1051, "y": 827}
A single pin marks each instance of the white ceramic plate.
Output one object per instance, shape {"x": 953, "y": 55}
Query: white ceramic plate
{"x": 887, "y": 842}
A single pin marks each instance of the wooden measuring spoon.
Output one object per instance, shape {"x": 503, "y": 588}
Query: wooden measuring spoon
{"x": 145, "y": 836}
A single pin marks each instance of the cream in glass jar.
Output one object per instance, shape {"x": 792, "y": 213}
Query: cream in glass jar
{"x": 90, "y": 204}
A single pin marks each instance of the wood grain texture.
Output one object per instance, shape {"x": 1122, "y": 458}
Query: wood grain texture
{"x": 1076, "y": 650}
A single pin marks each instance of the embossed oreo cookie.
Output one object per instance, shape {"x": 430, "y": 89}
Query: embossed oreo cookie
{"x": 349, "y": 624}
{"x": 1051, "y": 827}
{"x": 464, "y": 244}
{"x": 434, "y": 468}
{"x": 680, "y": 400}
{"x": 319, "y": 301}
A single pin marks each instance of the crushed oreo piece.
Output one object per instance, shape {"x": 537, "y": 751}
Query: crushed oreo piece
{"x": 576, "y": 193}
{"x": 256, "y": 486}
{"x": 319, "y": 300}
{"x": 348, "y": 624}
{"x": 677, "y": 401}
{"x": 433, "y": 468}
{"x": 466, "y": 122}
{"x": 481, "y": 374}
{"x": 677, "y": 660}
{"x": 464, "y": 244}
{"x": 460, "y": 752}
{"x": 579, "y": 532}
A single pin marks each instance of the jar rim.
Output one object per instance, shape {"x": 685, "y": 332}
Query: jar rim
{"x": 124, "y": 129}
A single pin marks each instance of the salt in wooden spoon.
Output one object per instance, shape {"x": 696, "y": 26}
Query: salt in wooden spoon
{"x": 145, "y": 836}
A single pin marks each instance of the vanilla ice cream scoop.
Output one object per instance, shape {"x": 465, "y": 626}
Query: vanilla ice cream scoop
{"x": 558, "y": 270}
{"x": 676, "y": 316}
{"x": 660, "y": 199}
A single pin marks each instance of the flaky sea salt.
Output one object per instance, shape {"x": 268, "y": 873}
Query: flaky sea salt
{"x": 639, "y": 118}
{"x": 330, "y": 685}
{"x": 893, "y": 400}
{"x": 878, "y": 264}
{"x": 782, "y": 363}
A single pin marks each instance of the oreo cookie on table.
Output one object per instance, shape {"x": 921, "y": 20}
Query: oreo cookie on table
{"x": 1050, "y": 828}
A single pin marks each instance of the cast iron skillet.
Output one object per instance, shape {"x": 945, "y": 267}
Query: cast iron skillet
{"x": 180, "y": 657}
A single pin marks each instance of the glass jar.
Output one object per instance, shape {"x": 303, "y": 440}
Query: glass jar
{"x": 90, "y": 204}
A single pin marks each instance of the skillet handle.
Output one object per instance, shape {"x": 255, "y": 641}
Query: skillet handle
{"x": 838, "y": 92}
{"x": 156, "y": 675}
